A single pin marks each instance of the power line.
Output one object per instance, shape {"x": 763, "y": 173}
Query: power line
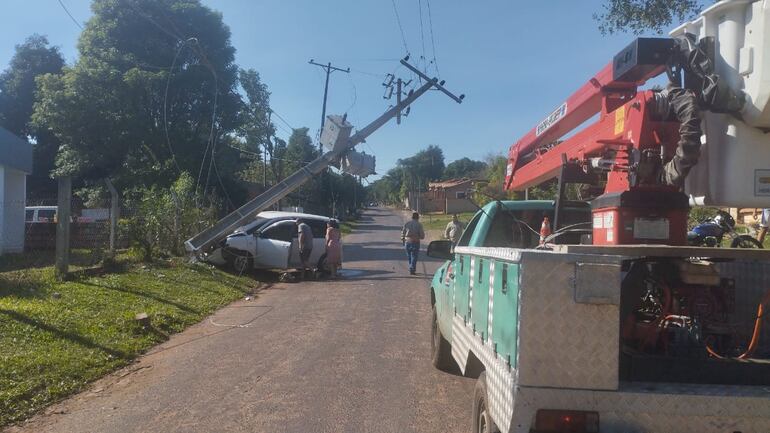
{"x": 371, "y": 74}
{"x": 165, "y": 105}
{"x": 422, "y": 36}
{"x": 398, "y": 20}
{"x": 282, "y": 120}
{"x": 70, "y": 15}
{"x": 432, "y": 40}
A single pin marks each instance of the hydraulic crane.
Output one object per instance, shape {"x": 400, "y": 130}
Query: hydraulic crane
{"x": 712, "y": 120}
{"x": 340, "y": 143}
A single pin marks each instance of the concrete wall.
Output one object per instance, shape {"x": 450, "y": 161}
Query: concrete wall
{"x": 13, "y": 191}
{"x": 455, "y": 205}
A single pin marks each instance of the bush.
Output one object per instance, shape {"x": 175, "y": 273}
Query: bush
{"x": 162, "y": 219}
{"x": 700, "y": 213}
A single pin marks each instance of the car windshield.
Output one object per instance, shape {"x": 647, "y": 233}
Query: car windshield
{"x": 252, "y": 226}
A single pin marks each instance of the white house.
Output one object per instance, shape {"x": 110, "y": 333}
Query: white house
{"x": 15, "y": 165}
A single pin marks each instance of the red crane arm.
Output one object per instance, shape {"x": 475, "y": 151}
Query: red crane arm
{"x": 603, "y": 93}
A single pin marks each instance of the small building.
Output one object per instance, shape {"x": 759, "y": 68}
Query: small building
{"x": 447, "y": 196}
{"x": 15, "y": 165}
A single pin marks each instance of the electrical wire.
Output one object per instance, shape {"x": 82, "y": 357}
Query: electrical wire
{"x": 165, "y": 105}
{"x": 282, "y": 119}
{"x": 422, "y": 37}
{"x": 355, "y": 94}
{"x": 398, "y": 20}
{"x": 70, "y": 15}
{"x": 432, "y": 40}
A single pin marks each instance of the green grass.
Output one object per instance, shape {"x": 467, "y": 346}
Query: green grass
{"x": 347, "y": 227}
{"x": 439, "y": 221}
{"x": 56, "y": 337}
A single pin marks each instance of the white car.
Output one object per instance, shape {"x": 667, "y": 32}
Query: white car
{"x": 270, "y": 242}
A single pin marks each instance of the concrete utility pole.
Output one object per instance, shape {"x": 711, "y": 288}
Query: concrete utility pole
{"x": 264, "y": 151}
{"x": 329, "y": 69}
{"x": 114, "y": 215}
{"x": 63, "y": 227}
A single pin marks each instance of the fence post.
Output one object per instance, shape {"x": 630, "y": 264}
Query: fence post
{"x": 63, "y": 227}
{"x": 114, "y": 214}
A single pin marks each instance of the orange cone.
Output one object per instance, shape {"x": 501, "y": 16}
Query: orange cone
{"x": 545, "y": 229}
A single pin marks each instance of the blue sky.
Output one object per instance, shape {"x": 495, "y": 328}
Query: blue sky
{"x": 515, "y": 61}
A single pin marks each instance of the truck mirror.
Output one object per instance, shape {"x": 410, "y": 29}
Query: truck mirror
{"x": 440, "y": 249}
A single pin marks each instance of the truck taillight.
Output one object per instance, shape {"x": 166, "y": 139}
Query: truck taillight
{"x": 566, "y": 421}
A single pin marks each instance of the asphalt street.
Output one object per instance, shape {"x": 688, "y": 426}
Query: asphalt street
{"x": 351, "y": 355}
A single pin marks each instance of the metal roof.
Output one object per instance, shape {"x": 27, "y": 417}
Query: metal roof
{"x": 15, "y": 152}
{"x": 449, "y": 183}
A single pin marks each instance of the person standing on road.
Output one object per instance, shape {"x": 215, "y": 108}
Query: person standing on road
{"x": 305, "y": 243}
{"x": 333, "y": 247}
{"x": 411, "y": 235}
{"x": 453, "y": 230}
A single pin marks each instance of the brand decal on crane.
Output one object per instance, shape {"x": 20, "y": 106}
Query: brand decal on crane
{"x": 551, "y": 119}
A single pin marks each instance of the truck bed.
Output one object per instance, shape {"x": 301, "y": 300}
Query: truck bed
{"x": 665, "y": 251}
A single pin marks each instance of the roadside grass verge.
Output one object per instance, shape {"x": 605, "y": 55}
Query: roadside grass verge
{"x": 347, "y": 227}
{"x": 56, "y": 337}
{"x": 439, "y": 221}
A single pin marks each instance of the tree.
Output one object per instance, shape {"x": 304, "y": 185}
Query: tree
{"x": 33, "y": 58}
{"x": 637, "y": 16}
{"x": 255, "y": 128}
{"x": 150, "y": 96}
{"x": 464, "y": 167}
{"x": 424, "y": 166}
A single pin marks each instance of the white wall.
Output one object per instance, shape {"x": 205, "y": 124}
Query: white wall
{"x": 13, "y": 192}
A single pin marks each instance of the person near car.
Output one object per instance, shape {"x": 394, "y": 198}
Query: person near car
{"x": 411, "y": 235}
{"x": 453, "y": 230}
{"x": 333, "y": 247}
{"x": 305, "y": 243}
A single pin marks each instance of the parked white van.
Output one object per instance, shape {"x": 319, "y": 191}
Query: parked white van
{"x": 40, "y": 214}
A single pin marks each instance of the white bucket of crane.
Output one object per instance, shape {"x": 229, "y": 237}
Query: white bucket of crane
{"x": 336, "y": 132}
{"x": 358, "y": 164}
{"x": 734, "y": 166}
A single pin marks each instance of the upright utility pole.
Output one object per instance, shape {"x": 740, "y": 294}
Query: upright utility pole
{"x": 264, "y": 151}
{"x": 329, "y": 69}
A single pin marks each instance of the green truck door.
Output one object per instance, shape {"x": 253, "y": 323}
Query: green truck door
{"x": 480, "y": 304}
{"x": 505, "y": 308}
{"x": 462, "y": 285}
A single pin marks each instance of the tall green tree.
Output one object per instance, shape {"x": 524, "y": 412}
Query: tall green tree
{"x": 424, "y": 166}
{"x": 33, "y": 58}
{"x": 638, "y": 16}
{"x": 255, "y": 126}
{"x": 151, "y": 95}
{"x": 464, "y": 167}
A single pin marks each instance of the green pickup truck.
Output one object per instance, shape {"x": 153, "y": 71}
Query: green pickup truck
{"x": 566, "y": 336}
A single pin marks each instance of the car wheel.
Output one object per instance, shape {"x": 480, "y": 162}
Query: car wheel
{"x": 745, "y": 241}
{"x": 241, "y": 261}
{"x": 440, "y": 348}
{"x": 482, "y": 419}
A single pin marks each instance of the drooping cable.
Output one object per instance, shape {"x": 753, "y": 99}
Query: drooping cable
{"x": 398, "y": 20}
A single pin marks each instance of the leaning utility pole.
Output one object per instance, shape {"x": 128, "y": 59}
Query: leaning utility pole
{"x": 340, "y": 144}
{"x": 329, "y": 69}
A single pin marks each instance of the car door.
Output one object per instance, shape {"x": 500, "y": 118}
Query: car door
{"x": 274, "y": 246}
{"x": 318, "y": 228}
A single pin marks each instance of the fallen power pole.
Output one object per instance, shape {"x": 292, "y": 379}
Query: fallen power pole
{"x": 202, "y": 242}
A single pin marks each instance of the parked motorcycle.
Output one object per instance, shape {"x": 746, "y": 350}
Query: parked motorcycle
{"x": 711, "y": 231}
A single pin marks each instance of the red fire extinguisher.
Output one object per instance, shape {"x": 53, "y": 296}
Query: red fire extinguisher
{"x": 545, "y": 229}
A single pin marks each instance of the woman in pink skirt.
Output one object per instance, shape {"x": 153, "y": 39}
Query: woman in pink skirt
{"x": 333, "y": 247}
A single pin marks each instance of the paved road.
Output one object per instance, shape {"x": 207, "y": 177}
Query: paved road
{"x": 343, "y": 356}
